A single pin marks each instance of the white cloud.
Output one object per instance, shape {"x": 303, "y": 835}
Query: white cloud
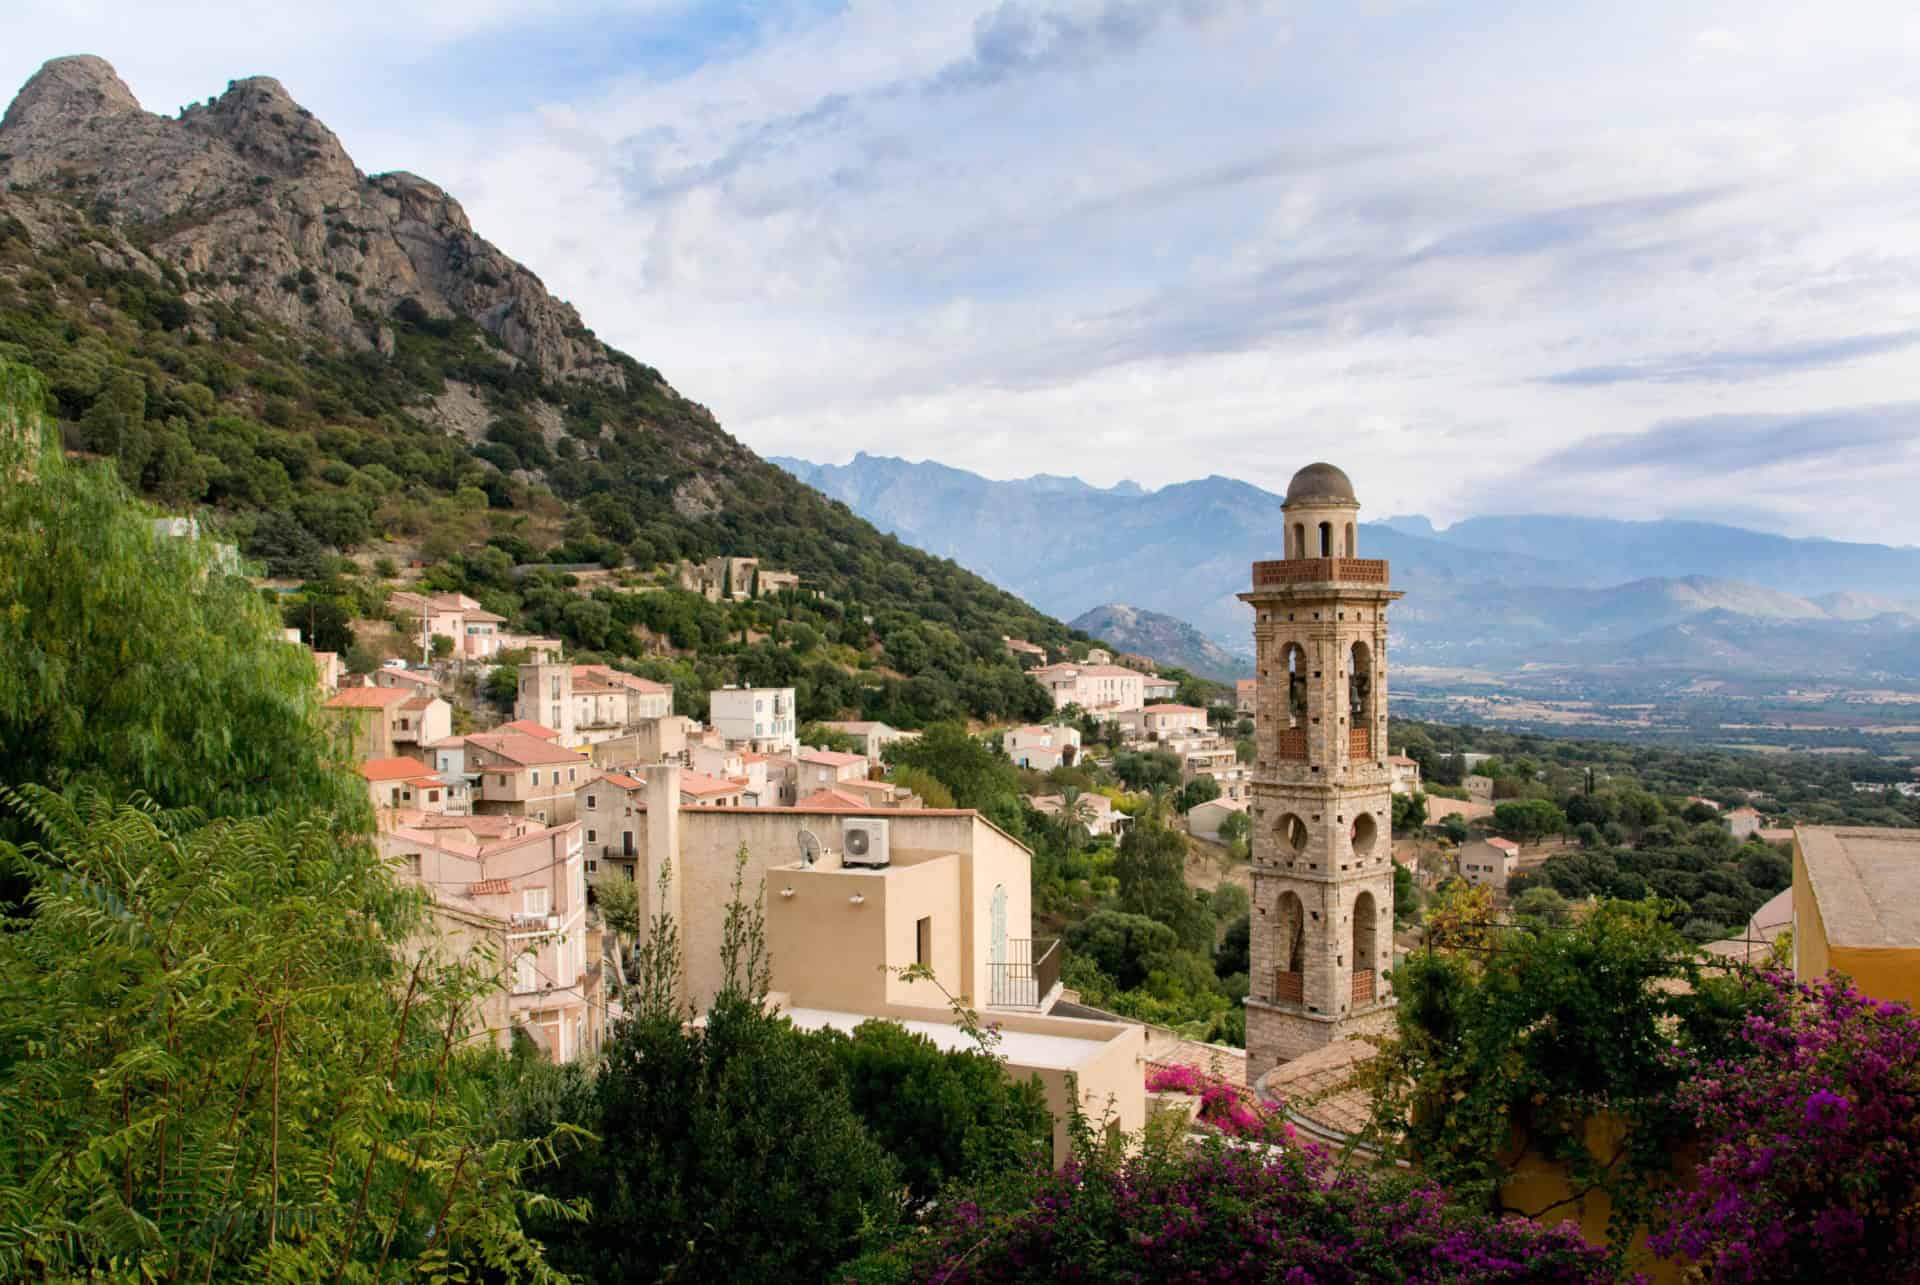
{"x": 1157, "y": 241}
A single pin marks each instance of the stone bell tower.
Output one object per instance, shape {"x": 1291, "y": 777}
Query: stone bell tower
{"x": 1322, "y": 937}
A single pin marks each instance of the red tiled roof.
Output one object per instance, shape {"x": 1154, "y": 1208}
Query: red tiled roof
{"x": 527, "y": 727}
{"x": 831, "y": 801}
{"x": 525, "y": 750}
{"x": 624, "y": 781}
{"x": 420, "y": 702}
{"x": 1173, "y": 709}
{"x": 367, "y": 698}
{"x": 701, "y": 783}
{"x": 397, "y": 769}
{"x": 489, "y": 886}
{"x": 1507, "y": 846}
{"x": 831, "y": 758}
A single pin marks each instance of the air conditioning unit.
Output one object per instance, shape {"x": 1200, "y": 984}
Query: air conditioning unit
{"x": 865, "y": 842}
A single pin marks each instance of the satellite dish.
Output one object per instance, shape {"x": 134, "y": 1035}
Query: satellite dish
{"x": 809, "y": 847}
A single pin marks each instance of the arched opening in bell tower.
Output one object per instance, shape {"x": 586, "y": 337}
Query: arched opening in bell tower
{"x": 1297, "y": 541}
{"x": 1350, "y": 546}
{"x": 1290, "y": 948}
{"x": 1365, "y": 835}
{"x": 1366, "y": 918}
{"x": 1294, "y": 665}
{"x": 1326, "y": 539}
{"x": 1360, "y": 700}
{"x": 1293, "y": 835}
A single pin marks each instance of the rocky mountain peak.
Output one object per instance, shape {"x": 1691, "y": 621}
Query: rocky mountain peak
{"x": 254, "y": 201}
{"x": 66, "y": 91}
{"x": 262, "y": 122}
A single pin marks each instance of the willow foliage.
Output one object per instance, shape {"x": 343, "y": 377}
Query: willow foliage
{"x": 131, "y": 660}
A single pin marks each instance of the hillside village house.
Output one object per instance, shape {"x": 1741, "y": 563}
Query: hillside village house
{"x": 588, "y": 703}
{"x": 1024, "y": 651}
{"x": 945, "y": 888}
{"x": 1244, "y": 692}
{"x": 521, "y": 888}
{"x": 755, "y": 718}
{"x": 406, "y": 783}
{"x": 1155, "y": 688}
{"x": 1479, "y": 788}
{"x": 1406, "y": 773}
{"x": 824, "y": 769}
{"x": 1489, "y": 862}
{"x": 383, "y": 721}
{"x": 1204, "y": 819}
{"x": 652, "y": 740}
{"x": 1744, "y": 823}
{"x": 873, "y": 738}
{"x": 1157, "y": 722}
{"x": 473, "y": 630}
{"x": 1098, "y": 815}
{"x": 1856, "y": 908}
{"x": 405, "y": 680}
{"x": 1102, "y": 690}
{"x": 699, "y": 790}
{"x": 1043, "y": 748}
{"x": 525, "y": 776}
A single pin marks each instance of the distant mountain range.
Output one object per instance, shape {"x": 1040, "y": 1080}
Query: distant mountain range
{"x": 1167, "y": 639}
{"x": 1496, "y": 592}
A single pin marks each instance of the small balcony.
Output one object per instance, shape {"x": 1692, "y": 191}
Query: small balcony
{"x": 1292, "y": 571}
{"x": 1029, "y": 974}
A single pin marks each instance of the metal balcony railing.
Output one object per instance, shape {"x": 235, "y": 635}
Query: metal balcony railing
{"x": 1027, "y": 976}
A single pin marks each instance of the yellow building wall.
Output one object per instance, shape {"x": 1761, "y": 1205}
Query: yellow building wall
{"x": 1543, "y": 1188}
{"x": 1888, "y": 973}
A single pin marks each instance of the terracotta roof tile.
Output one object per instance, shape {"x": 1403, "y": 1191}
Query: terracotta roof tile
{"x": 367, "y": 698}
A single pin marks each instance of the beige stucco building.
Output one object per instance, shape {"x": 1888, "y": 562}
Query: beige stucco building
{"x": 386, "y": 722}
{"x": 1322, "y": 871}
{"x": 586, "y": 704}
{"x": 515, "y": 774}
{"x": 1099, "y": 689}
{"x": 1489, "y": 862}
{"x": 943, "y": 887}
{"x": 517, "y": 889}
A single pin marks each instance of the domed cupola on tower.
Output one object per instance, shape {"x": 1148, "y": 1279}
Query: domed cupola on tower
{"x": 1322, "y": 875}
{"x": 1321, "y": 514}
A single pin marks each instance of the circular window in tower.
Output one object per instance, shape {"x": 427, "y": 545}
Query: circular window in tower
{"x": 1293, "y": 833}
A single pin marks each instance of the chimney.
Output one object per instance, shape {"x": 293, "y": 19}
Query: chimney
{"x": 663, "y": 845}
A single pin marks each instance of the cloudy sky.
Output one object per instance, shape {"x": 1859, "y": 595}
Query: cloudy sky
{"x": 1649, "y": 258}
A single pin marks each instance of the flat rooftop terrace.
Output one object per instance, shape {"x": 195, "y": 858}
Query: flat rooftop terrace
{"x": 1867, "y": 883}
{"x": 1020, "y": 1048}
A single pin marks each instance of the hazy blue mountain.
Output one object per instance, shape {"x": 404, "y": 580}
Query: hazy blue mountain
{"x": 1167, "y": 639}
{"x": 1494, "y": 591}
{"x": 1612, "y": 551}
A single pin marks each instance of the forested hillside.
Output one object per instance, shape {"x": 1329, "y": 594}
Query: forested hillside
{"x": 328, "y": 363}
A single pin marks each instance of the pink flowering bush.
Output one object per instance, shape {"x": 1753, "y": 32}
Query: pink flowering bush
{"x": 1233, "y": 1111}
{"x": 1230, "y": 1215}
{"x": 1812, "y": 1162}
